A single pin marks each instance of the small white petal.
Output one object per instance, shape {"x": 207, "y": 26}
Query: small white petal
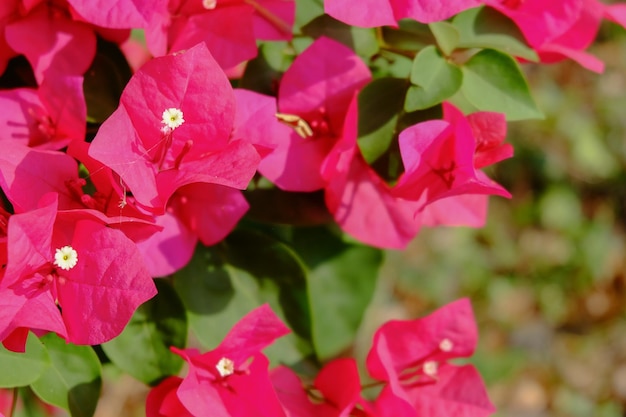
{"x": 446, "y": 345}
{"x": 172, "y": 118}
{"x": 225, "y": 367}
{"x": 209, "y": 4}
{"x": 430, "y": 368}
{"x": 66, "y": 258}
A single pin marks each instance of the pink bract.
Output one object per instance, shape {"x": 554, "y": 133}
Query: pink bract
{"x": 232, "y": 379}
{"x": 184, "y": 23}
{"x": 153, "y": 159}
{"x": 411, "y": 356}
{"x": 87, "y": 303}
{"x": 371, "y": 13}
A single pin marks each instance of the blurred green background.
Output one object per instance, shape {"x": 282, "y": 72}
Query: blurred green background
{"x": 547, "y": 275}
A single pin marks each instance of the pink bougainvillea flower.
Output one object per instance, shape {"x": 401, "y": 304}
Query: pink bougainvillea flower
{"x": 8, "y": 11}
{"x": 47, "y": 117}
{"x": 371, "y": 13}
{"x": 173, "y": 128}
{"x": 313, "y": 98}
{"x": 184, "y": 23}
{"x": 438, "y": 158}
{"x": 199, "y": 211}
{"x": 371, "y": 210}
{"x": 232, "y": 379}
{"x": 27, "y": 174}
{"x": 337, "y": 390}
{"x": 411, "y": 356}
{"x": 69, "y": 273}
{"x": 162, "y": 400}
{"x": 52, "y": 42}
{"x": 127, "y": 14}
{"x": 560, "y": 30}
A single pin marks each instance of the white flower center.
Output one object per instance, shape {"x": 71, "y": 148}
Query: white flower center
{"x": 225, "y": 367}
{"x": 172, "y": 118}
{"x": 446, "y": 345}
{"x": 66, "y": 258}
{"x": 430, "y": 368}
{"x": 209, "y": 4}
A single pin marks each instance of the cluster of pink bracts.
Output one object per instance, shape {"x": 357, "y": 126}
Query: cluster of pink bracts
{"x": 407, "y": 365}
{"x": 79, "y": 251}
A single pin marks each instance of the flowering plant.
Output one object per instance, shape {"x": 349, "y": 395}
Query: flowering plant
{"x": 167, "y": 172}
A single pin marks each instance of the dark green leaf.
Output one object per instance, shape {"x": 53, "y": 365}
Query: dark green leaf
{"x": 223, "y": 283}
{"x": 447, "y": 36}
{"x": 493, "y": 81}
{"x": 341, "y": 285}
{"x": 380, "y": 104}
{"x": 73, "y": 380}
{"x": 408, "y": 36}
{"x": 104, "y": 81}
{"x": 143, "y": 348}
{"x": 361, "y": 40}
{"x": 263, "y": 73}
{"x": 435, "y": 80}
{"x": 281, "y": 207}
{"x": 487, "y": 29}
{"x": 307, "y": 10}
{"x": 20, "y": 369}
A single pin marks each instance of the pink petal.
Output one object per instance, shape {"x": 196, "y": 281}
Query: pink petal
{"x": 105, "y": 287}
{"x": 427, "y": 11}
{"x": 117, "y": 13}
{"x": 369, "y": 13}
{"x": 162, "y": 400}
{"x": 460, "y": 210}
{"x": 169, "y": 250}
{"x": 399, "y": 344}
{"x": 291, "y": 393}
{"x": 52, "y": 45}
{"x": 27, "y": 174}
{"x": 210, "y": 211}
{"x": 274, "y": 19}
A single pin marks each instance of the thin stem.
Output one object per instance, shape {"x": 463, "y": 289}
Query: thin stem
{"x": 278, "y": 23}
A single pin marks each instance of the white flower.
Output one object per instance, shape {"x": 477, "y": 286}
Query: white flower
{"x": 430, "y": 368}
{"x": 225, "y": 367}
{"x": 172, "y": 118}
{"x": 209, "y": 4}
{"x": 66, "y": 258}
{"x": 446, "y": 345}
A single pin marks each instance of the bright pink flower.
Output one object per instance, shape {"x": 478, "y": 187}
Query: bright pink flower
{"x": 411, "y": 357}
{"x": 337, "y": 382}
{"x": 47, "y": 117}
{"x": 69, "y": 273}
{"x": 53, "y": 43}
{"x": 199, "y": 211}
{"x": 118, "y": 13}
{"x": 232, "y": 379}
{"x": 438, "y": 158}
{"x": 560, "y": 30}
{"x": 371, "y": 210}
{"x": 185, "y": 23}
{"x": 162, "y": 400}
{"x": 371, "y": 13}
{"x": 173, "y": 128}
{"x": 8, "y": 11}
{"x": 313, "y": 97}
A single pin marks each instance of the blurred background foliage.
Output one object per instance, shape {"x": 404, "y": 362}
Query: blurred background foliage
{"x": 547, "y": 275}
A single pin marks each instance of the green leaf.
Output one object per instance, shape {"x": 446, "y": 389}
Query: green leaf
{"x": 447, "y": 36}
{"x": 435, "y": 80}
{"x": 487, "y": 29}
{"x": 264, "y": 72}
{"x": 73, "y": 380}
{"x": 104, "y": 81}
{"x": 408, "y": 36}
{"x": 282, "y": 207}
{"x": 21, "y": 369}
{"x": 341, "y": 285}
{"x": 493, "y": 81}
{"x": 380, "y": 104}
{"x": 361, "y": 40}
{"x": 307, "y": 10}
{"x": 143, "y": 348}
{"x": 223, "y": 283}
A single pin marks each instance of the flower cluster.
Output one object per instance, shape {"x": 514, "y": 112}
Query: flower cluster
{"x": 91, "y": 210}
{"x": 409, "y": 365}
